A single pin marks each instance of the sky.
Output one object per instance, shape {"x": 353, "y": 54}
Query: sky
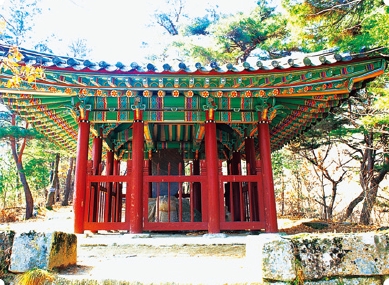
{"x": 115, "y": 29}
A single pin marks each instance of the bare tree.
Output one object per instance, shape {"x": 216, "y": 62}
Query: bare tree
{"x": 54, "y": 181}
{"x": 371, "y": 149}
{"x": 318, "y": 147}
{"x": 79, "y": 48}
{"x": 170, "y": 16}
{"x": 19, "y": 20}
{"x": 68, "y": 184}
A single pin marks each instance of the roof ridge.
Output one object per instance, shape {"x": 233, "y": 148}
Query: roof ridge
{"x": 48, "y": 60}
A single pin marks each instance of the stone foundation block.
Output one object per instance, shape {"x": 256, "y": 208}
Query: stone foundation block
{"x": 342, "y": 255}
{"x": 347, "y": 281}
{"x": 43, "y": 250}
{"x": 272, "y": 255}
{"x": 6, "y": 241}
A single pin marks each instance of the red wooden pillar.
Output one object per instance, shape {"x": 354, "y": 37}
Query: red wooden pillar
{"x": 228, "y": 192}
{"x": 196, "y": 186}
{"x": 236, "y": 193}
{"x": 250, "y": 154}
{"x": 128, "y": 186}
{"x": 81, "y": 174}
{"x": 267, "y": 172}
{"x": 117, "y": 190}
{"x": 136, "y": 188}
{"x": 150, "y": 173}
{"x": 120, "y": 201}
{"x": 251, "y": 169}
{"x": 97, "y": 147}
{"x": 109, "y": 162}
{"x": 211, "y": 157}
{"x": 108, "y": 197}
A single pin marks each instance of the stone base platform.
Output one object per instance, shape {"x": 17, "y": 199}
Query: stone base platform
{"x": 315, "y": 259}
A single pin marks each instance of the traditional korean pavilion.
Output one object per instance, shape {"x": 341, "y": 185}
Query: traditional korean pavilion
{"x": 179, "y": 148}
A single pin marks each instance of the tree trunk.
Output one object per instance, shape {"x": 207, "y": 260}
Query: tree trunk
{"x": 370, "y": 179}
{"x": 298, "y": 194}
{"x": 27, "y": 191}
{"x": 51, "y": 197}
{"x": 72, "y": 183}
{"x": 282, "y": 196}
{"x": 19, "y": 166}
{"x": 368, "y": 205}
{"x": 363, "y": 179}
{"x": 57, "y": 184}
{"x": 353, "y": 204}
{"x": 68, "y": 185}
{"x": 333, "y": 196}
{"x": 371, "y": 195}
{"x": 23, "y": 180}
{"x": 324, "y": 201}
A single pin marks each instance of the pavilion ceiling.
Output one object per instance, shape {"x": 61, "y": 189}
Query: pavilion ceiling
{"x": 297, "y": 91}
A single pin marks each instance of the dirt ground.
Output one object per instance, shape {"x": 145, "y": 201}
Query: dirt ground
{"x": 60, "y": 218}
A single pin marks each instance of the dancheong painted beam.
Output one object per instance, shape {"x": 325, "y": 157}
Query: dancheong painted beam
{"x": 184, "y": 133}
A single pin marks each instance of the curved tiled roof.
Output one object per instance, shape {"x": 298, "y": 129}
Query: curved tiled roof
{"x": 293, "y": 61}
{"x": 298, "y": 90}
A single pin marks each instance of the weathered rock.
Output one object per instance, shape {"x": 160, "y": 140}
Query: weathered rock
{"x": 43, "y": 250}
{"x": 342, "y": 255}
{"x": 316, "y": 225}
{"x": 275, "y": 255}
{"x": 347, "y": 281}
{"x": 6, "y": 241}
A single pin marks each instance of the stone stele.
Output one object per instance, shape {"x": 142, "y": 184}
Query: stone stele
{"x": 43, "y": 250}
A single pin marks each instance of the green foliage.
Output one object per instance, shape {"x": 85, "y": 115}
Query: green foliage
{"x": 18, "y": 133}
{"x": 262, "y": 29}
{"x": 348, "y": 25}
{"x": 278, "y": 161}
{"x": 37, "y": 159}
{"x": 37, "y": 166}
{"x": 233, "y": 38}
{"x": 5, "y": 118}
{"x": 8, "y": 179}
{"x": 379, "y": 119}
{"x": 190, "y": 49}
{"x": 198, "y": 26}
{"x": 362, "y": 121}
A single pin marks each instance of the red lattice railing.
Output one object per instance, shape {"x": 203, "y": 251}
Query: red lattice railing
{"x": 175, "y": 202}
